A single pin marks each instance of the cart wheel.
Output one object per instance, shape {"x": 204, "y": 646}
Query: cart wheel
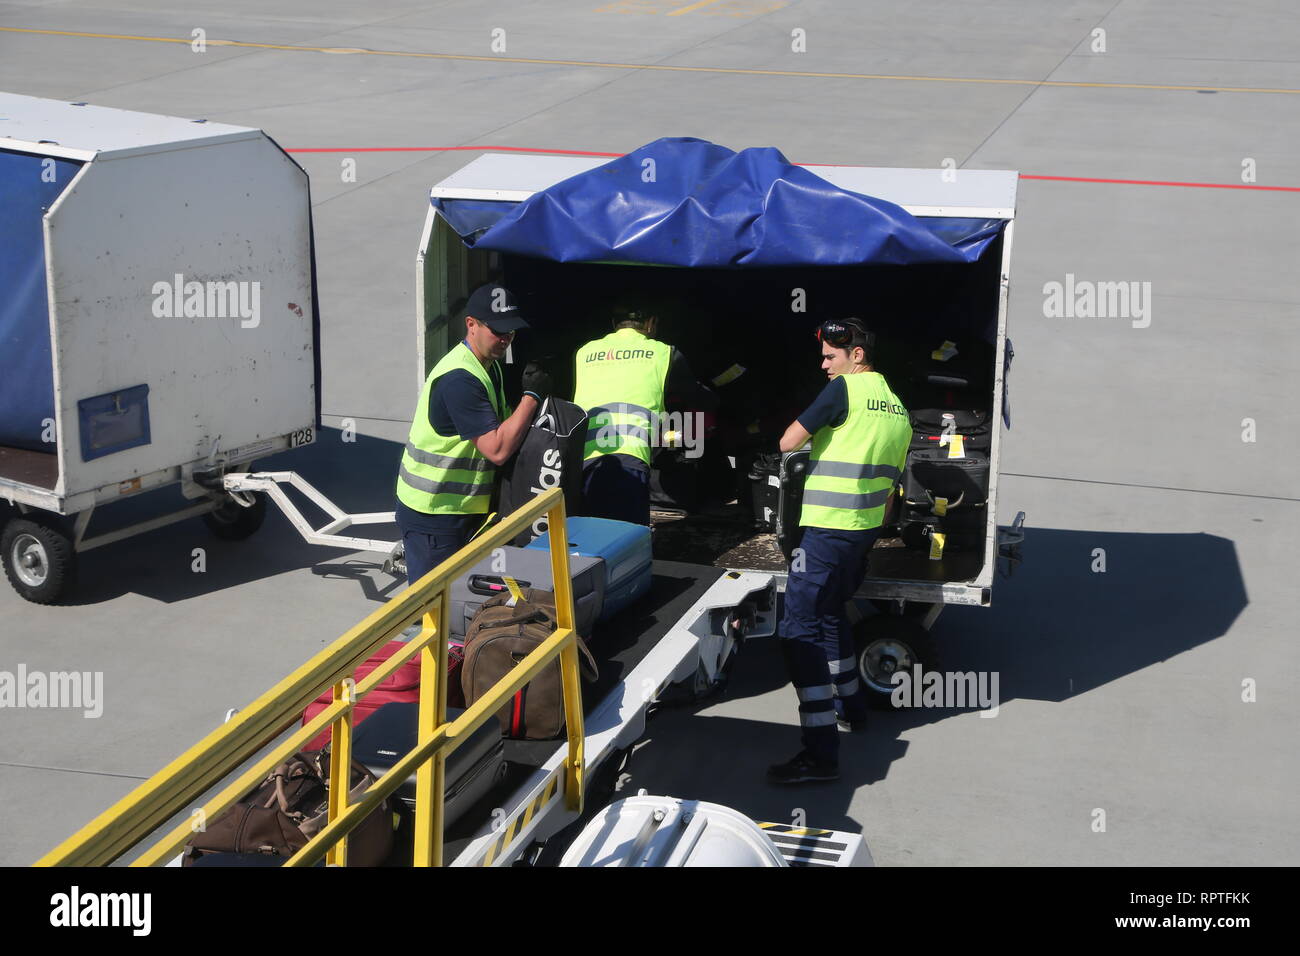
{"x": 39, "y": 560}
{"x": 888, "y": 644}
{"x": 233, "y": 522}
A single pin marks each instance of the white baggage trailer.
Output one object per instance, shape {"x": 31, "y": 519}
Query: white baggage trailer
{"x": 158, "y": 318}
{"x": 905, "y": 584}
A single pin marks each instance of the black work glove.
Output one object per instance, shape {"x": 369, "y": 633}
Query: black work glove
{"x": 538, "y": 381}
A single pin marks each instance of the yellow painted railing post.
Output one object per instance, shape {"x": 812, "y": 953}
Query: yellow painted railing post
{"x": 570, "y": 674}
{"x": 341, "y": 768}
{"x": 440, "y": 717}
{"x": 426, "y": 825}
{"x": 115, "y": 831}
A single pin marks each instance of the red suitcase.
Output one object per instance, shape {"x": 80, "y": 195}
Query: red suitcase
{"x": 402, "y": 686}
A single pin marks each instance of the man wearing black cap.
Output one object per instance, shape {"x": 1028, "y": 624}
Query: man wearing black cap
{"x": 463, "y": 429}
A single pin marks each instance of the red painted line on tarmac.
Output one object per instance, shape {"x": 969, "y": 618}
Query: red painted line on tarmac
{"x": 1158, "y": 182}
{"x": 580, "y": 152}
{"x": 446, "y": 149}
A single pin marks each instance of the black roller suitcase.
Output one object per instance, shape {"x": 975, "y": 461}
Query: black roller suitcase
{"x": 962, "y": 528}
{"x": 931, "y": 426}
{"x": 471, "y": 770}
{"x": 794, "y": 471}
{"x": 763, "y": 482}
{"x": 932, "y": 474}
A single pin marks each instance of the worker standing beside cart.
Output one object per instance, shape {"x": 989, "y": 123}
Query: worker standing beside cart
{"x": 624, "y": 381}
{"x": 860, "y": 434}
{"x": 463, "y": 429}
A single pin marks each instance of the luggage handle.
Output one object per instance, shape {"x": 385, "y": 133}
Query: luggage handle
{"x": 493, "y": 584}
{"x": 961, "y": 496}
{"x": 526, "y": 618}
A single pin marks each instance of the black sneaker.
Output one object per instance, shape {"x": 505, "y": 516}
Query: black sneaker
{"x": 802, "y": 769}
{"x": 852, "y": 726}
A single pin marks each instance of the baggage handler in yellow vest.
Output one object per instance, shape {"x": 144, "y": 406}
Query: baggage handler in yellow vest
{"x": 624, "y": 382}
{"x": 463, "y": 429}
{"x": 860, "y": 433}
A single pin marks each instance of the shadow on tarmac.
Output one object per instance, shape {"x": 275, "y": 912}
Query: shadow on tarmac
{"x": 1057, "y": 629}
{"x": 358, "y": 476}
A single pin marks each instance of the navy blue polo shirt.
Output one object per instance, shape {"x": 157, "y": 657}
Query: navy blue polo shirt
{"x": 831, "y": 408}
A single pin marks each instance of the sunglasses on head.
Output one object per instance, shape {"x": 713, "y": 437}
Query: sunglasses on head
{"x": 841, "y": 335}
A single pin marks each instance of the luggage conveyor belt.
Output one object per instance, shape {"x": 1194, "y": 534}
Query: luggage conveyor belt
{"x": 618, "y": 644}
{"x": 726, "y": 537}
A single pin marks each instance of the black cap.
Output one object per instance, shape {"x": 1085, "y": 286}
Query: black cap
{"x": 495, "y": 307}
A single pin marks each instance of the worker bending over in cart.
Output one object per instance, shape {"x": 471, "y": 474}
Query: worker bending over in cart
{"x": 463, "y": 429}
{"x": 860, "y": 433}
{"x": 624, "y": 382}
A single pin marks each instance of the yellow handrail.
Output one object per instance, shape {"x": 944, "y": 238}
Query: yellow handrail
{"x": 133, "y": 818}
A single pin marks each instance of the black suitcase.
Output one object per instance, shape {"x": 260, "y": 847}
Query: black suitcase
{"x": 530, "y": 568}
{"x": 931, "y": 425}
{"x": 962, "y": 527}
{"x": 763, "y": 484}
{"x": 794, "y": 470}
{"x": 931, "y": 474}
{"x": 470, "y": 773}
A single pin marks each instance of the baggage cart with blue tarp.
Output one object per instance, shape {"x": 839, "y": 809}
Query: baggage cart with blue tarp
{"x": 743, "y": 254}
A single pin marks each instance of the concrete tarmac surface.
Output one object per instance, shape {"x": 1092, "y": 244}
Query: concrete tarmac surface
{"x": 1120, "y": 691}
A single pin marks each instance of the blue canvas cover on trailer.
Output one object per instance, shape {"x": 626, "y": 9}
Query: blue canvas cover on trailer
{"x": 29, "y": 185}
{"x": 688, "y": 202}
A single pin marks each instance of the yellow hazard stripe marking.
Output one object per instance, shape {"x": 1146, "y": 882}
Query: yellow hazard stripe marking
{"x": 515, "y": 826}
{"x": 693, "y": 6}
{"x": 662, "y": 67}
{"x": 794, "y": 831}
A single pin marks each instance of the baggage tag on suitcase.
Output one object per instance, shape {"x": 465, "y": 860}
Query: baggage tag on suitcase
{"x": 528, "y": 568}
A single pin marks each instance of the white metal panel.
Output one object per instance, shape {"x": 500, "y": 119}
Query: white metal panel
{"x": 987, "y": 193}
{"x": 236, "y": 211}
{"x": 512, "y": 176}
{"x": 976, "y": 193}
{"x": 33, "y": 124}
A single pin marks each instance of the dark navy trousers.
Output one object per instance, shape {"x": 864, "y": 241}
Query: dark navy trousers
{"x": 430, "y": 540}
{"x": 617, "y": 487}
{"x": 817, "y": 638}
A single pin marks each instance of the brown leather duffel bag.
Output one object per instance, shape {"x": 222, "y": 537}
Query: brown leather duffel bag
{"x": 499, "y": 637}
{"x": 288, "y": 809}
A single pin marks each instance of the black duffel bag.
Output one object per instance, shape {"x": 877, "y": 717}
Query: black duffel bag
{"x": 550, "y": 457}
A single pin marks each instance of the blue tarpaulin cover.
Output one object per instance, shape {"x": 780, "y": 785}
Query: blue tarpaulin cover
{"x": 688, "y": 202}
{"x": 29, "y": 185}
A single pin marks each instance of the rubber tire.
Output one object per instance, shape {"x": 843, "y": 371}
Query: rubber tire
{"x": 233, "y": 522}
{"x": 61, "y": 558}
{"x": 919, "y": 645}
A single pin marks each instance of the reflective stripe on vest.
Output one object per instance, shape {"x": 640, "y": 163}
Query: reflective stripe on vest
{"x": 619, "y": 381}
{"x": 853, "y": 468}
{"x": 447, "y": 474}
